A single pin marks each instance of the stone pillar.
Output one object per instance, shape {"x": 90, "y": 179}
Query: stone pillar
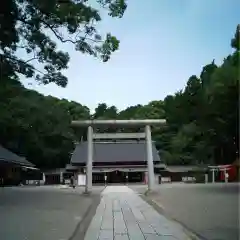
{"x": 225, "y": 175}
{"x": 88, "y": 186}
{"x": 206, "y": 178}
{"x": 61, "y": 177}
{"x": 44, "y": 178}
{"x": 105, "y": 178}
{"x": 146, "y": 177}
{"x": 149, "y": 158}
{"x": 213, "y": 175}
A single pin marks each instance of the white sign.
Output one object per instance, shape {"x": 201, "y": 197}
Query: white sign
{"x": 165, "y": 179}
{"x": 81, "y": 180}
{"x": 67, "y": 181}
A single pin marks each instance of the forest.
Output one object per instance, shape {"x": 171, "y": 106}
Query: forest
{"x": 202, "y": 118}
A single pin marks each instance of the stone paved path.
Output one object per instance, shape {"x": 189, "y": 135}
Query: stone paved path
{"x": 123, "y": 215}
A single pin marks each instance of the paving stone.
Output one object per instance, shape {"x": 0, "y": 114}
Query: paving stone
{"x": 96, "y": 222}
{"x": 105, "y": 235}
{"x": 108, "y": 213}
{"x": 121, "y": 237}
{"x": 120, "y": 230}
{"x": 136, "y": 236}
{"x": 177, "y": 233}
{"x": 107, "y": 224}
{"x": 116, "y": 205}
{"x": 119, "y": 223}
{"x": 135, "y": 232}
{"x": 93, "y": 234}
{"x": 146, "y": 228}
{"x": 118, "y": 218}
{"x": 129, "y": 217}
{"x": 102, "y": 204}
{"x": 156, "y": 237}
{"x": 107, "y": 220}
{"x": 152, "y": 237}
{"x": 137, "y": 214}
{"x": 164, "y": 230}
{"x": 169, "y": 229}
{"x": 118, "y": 215}
{"x": 151, "y": 215}
{"x": 95, "y": 226}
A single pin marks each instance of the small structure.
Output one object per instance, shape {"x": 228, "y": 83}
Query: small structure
{"x": 115, "y": 162}
{"x": 185, "y": 173}
{"x": 228, "y": 172}
{"x": 146, "y": 135}
{"x": 12, "y": 167}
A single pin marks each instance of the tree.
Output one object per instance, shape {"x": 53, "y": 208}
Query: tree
{"x": 33, "y": 26}
{"x": 223, "y": 113}
{"x": 38, "y": 127}
{"x": 102, "y": 111}
{"x": 235, "y": 42}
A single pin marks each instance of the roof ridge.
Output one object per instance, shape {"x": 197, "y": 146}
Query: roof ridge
{"x": 115, "y": 142}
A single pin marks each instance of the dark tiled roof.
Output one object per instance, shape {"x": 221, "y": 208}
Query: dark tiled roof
{"x": 114, "y": 152}
{"x": 8, "y": 156}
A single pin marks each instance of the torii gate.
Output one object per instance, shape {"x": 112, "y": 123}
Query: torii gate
{"x": 147, "y": 123}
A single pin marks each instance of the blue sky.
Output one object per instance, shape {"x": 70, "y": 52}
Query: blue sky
{"x": 163, "y": 43}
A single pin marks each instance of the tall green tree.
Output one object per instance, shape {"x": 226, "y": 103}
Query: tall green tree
{"x": 203, "y": 118}
{"x": 38, "y": 127}
{"x": 35, "y": 26}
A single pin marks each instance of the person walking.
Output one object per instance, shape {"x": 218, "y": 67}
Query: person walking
{"x": 73, "y": 181}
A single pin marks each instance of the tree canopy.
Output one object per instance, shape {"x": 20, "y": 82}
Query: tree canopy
{"x": 202, "y": 119}
{"x": 35, "y": 26}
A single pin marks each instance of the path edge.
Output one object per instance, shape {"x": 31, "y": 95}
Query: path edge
{"x": 82, "y": 226}
{"x": 192, "y": 235}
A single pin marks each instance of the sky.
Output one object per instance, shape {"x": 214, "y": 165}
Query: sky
{"x": 162, "y": 43}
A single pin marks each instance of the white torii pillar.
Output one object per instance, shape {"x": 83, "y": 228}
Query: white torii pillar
{"x": 213, "y": 175}
{"x": 88, "y": 186}
{"x": 149, "y": 157}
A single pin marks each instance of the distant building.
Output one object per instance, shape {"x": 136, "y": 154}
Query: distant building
{"x": 115, "y": 162}
{"x": 11, "y": 167}
{"x": 57, "y": 176}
